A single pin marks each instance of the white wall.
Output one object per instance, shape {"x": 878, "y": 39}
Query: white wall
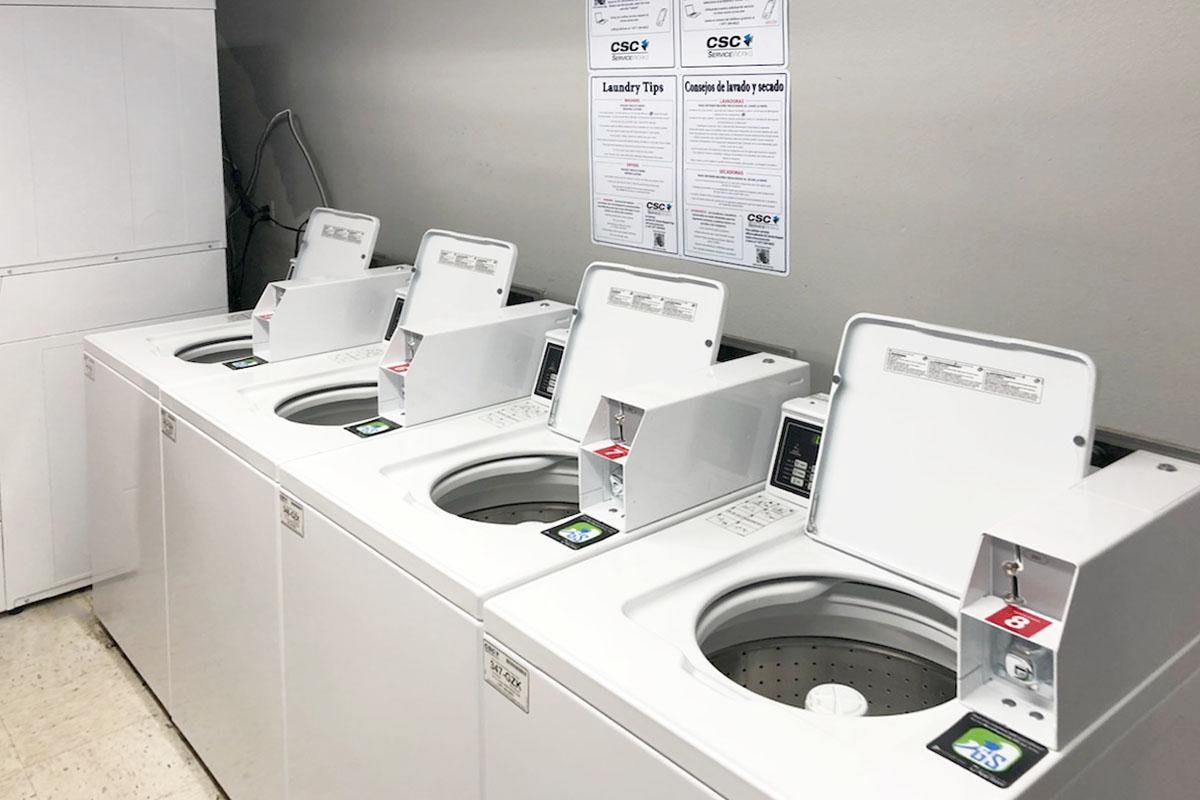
{"x": 1025, "y": 168}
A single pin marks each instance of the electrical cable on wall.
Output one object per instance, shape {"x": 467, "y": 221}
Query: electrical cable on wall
{"x": 243, "y": 193}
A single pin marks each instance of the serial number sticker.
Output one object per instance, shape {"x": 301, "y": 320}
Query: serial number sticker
{"x": 753, "y": 514}
{"x": 964, "y": 375}
{"x": 506, "y": 675}
{"x": 291, "y": 514}
{"x": 168, "y": 424}
{"x": 659, "y": 305}
{"x": 89, "y": 368}
{"x": 482, "y": 264}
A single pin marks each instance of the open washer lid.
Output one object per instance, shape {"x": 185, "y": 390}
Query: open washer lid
{"x": 336, "y": 244}
{"x": 632, "y": 326}
{"x": 458, "y": 274}
{"x": 934, "y": 434}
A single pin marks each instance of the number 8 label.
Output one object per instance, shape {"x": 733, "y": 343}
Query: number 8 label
{"x": 1019, "y": 621}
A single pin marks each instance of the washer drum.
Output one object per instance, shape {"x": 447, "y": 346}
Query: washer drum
{"x": 510, "y": 491}
{"x": 217, "y": 351}
{"x": 333, "y": 406}
{"x": 783, "y": 639}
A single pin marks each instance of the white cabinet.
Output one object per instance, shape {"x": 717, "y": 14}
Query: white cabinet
{"x": 111, "y": 215}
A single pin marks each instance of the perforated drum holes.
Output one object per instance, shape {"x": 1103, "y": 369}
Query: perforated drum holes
{"x": 786, "y": 670}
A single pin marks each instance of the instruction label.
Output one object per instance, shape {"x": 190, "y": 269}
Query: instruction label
{"x": 291, "y": 514}
{"x": 516, "y": 413}
{"x": 753, "y": 514}
{"x": 736, "y": 168}
{"x": 506, "y": 675}
{"x": 470, "y": 262}
{"x": 631, "y": 34}
{"x": 652, "y": 304}
{"x": 370, "y": 353}
{"x": 635, "y": 152}
{"x": 733, "y": 33}
{"x": 340, "y": 234}
{"x": 998, "y": 382}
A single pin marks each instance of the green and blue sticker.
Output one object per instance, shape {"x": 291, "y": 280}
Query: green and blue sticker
{"x": 240, "y": 364}
{"x": 989, "y": 750}
{"x": 581, "y": 532}
{"x": 373, "y": 428}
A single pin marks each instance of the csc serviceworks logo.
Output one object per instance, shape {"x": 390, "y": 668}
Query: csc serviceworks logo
{"x": 729, "y": 46}
{"x": 631, "y": 47}
{"x": 762, "y": 219}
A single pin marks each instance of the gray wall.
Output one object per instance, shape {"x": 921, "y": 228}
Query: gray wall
{"x": 1026, "y": 168}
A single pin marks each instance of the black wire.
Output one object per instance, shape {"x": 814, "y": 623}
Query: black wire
{"x": 240, "y": 271}
{"x": 299, "y": 233}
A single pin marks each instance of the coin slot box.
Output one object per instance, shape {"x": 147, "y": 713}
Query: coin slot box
{"x": 602, "y": 461}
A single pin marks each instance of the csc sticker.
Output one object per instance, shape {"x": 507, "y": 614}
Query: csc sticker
{"x": 631, "y": 47}
{"x": 731, "y": 42}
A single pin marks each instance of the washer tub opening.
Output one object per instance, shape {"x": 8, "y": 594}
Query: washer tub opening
{"x": 509, "y": 491}
{"x": 332, "y": 406}
{"x": 217, "y": 351}
{"x": 784, "y": 639}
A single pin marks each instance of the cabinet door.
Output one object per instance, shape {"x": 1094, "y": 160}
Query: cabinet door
{"x": 42, "y": 467}
{"x": 125, "y": 527}
{"x": 563, "y": 747}
{"x": 223, "y": 612}
{"x": 382, "y": 676}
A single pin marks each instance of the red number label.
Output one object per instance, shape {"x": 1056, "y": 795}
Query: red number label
{"x": 1019, "y": 621}
{"x": 615, "y": 452}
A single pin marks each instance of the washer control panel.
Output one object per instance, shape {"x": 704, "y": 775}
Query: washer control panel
{"x": 547, "y": 380}
{"x": 796, "y": 457}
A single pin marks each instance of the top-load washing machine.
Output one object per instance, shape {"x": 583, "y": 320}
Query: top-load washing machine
{"x": 125, "y": 371}
{"x": 404, "y": 539}
{"x": 223, "y": 441}
{"x": 884, "y": 648}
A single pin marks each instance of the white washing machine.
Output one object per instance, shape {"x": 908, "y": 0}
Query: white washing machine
{"x": 224, "y": 440}
{"x": 784, "y": 660}
{"x": 403, "y": 540}
{"x": 124, "y": 373}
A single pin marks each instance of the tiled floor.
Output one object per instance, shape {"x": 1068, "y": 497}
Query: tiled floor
{"x": 76, "y": 722}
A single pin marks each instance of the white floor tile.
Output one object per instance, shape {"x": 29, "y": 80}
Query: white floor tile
{"x": 15, "y": 786}
{"x": 76, "y": 722}
{"x": 144, "y": 761}
{"x": 9, "y": 762}
{"x": 45, "y": 721}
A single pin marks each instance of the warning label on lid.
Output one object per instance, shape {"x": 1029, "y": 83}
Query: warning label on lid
{"x": 652, "y": 304}
{"x": 964, "y": 375}
{"x": 482, "y": 264}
